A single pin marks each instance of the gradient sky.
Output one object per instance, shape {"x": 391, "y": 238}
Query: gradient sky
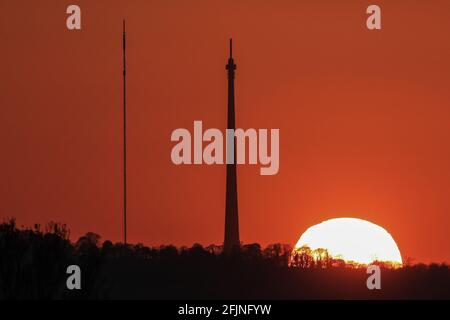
{"x": 363, "y": 116}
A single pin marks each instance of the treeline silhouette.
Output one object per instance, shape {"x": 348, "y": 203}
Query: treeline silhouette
{"x": 33, "y": 263}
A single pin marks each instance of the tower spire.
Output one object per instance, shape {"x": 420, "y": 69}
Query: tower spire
{"x": 231, "y": 241}
{"x": 231, "y": 48}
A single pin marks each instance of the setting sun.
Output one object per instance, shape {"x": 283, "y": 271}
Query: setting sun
{"x": 353, "y": 240}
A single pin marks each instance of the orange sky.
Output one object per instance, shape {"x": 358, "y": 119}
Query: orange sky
{"x": 363, "y": 117}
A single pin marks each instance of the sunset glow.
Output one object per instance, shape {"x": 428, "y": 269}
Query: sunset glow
{"x": 352, "y": 239}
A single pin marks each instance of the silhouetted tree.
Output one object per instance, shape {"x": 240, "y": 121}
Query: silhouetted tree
{"x": 278, "y": 254}
{"x": 33, "y": 265}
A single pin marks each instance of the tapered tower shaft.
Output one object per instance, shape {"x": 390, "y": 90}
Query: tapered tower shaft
{"x": 231, "y": 241}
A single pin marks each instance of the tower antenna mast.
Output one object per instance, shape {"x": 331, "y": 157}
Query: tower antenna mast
{"x": 124, "y": 141}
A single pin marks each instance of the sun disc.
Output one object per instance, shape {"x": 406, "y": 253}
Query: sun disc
{"x": 353, "y": 240}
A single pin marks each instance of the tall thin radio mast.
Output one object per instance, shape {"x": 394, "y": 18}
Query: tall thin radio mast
{"x": 124, "y": 142}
